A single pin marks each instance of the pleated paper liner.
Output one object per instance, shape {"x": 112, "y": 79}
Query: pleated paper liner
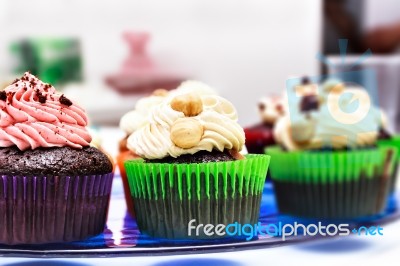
{"x": 393, "y": 142}
{"x": 168, "y": 196}
{"x": 121, "y": 159}
{"x": 52, "y": 209}
{"x": 332, "y": 185}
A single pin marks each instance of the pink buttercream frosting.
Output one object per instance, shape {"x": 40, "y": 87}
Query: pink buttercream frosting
{"x": 33, "y": 114}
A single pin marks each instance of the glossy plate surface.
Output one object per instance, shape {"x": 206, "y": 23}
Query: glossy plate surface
{"x": 122, "y": 237}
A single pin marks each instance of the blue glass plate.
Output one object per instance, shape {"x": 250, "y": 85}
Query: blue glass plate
{"x": 122, "y": 237}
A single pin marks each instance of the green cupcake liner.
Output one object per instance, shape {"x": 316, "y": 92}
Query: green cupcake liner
{"x": 332, "y": 185}
{"x": 329, "y": 167}
{"x": 168, "y": 196}
{"x": 394, "y": 142}
{"x": 149, "y": 180}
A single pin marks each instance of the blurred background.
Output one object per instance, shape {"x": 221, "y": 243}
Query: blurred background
{"x": 107, "y": 54}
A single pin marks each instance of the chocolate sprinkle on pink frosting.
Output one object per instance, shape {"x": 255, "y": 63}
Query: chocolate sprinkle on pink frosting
{"x": 33, "y": 114}
{"x": 3, "y": 95}
{"x": 64, "y": 100}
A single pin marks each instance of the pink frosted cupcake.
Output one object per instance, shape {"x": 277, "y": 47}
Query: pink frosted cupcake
{"x": 54, "y": 187}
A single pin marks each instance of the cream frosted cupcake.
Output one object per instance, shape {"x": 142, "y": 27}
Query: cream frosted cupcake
{"x": 191, "y": 167}
{"x": 139, "y": 117}
{"x": 329, "y": 164}
{"x": 271, "y": 109}
{"x": 385, "y": 137}
{"x": 260, "y": 136}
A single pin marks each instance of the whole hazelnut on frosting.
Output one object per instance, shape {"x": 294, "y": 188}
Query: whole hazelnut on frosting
{"x": 186, "y": 132}
{"x": 190, "y": 104}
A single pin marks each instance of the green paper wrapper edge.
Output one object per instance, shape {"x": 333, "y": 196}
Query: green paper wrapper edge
{"x": 329, "y": 167}
{"x": 146, "y": 178}
{"x": 393, "y": 142}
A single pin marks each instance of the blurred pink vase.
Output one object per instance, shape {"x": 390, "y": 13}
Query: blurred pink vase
{"x": 139, "y": 73}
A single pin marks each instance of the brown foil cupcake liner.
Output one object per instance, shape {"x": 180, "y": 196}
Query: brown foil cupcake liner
{"x": 51, "y": 209}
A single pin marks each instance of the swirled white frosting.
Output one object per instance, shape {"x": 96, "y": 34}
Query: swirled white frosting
{"x": 191, "y": 86}
{"x": 219, "y": 121}
{"x": 339, "y": 123}
{"x": 138, "y": 117}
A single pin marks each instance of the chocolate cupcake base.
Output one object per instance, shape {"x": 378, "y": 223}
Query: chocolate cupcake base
{"x": 38, "y": 209}
{"x": 56, "y": 161}
{"x": 198, "y": 157}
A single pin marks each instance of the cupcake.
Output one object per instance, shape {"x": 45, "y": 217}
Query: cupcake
{"x": 385, "y": 137}
{"x": 337, "y": 170}
{"x": 260, "y": 136}
{"x": 139, "y": 117}
{"x": 191, "y": 168}
{"x": 54, "y": 187}
{"x": 270, "y": 109}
